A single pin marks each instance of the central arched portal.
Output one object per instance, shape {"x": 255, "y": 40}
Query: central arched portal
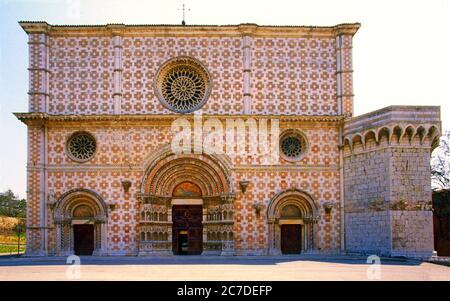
{"x": 186, "y": 206}
{"x": 187, "y": 219}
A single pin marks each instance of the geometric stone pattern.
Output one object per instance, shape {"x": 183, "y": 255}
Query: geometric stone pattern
{"x": 294, "y": 76}
{"x": 142, "y": 57}
{"x": 118, "y": 147}
{"x": 366, "y": 177}
{"x": 345, "y": 74}
{"x": 81, "y": 75}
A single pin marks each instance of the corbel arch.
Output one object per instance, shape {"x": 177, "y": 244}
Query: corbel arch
{"x": 358, "y": 138}
{"x": 434, "y": 135}
{"x": 370, "y": 134}
{"x": 422, "y": 133}
{"x": 398, "y": 131}
{"x": 384, "y": 131}
{"x": 410, "y": 131}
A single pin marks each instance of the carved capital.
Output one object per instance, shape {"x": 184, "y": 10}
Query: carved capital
{"x": 328, "y": 206}
{"x": 126, "y": 185}
{"x": 243, "y": 185}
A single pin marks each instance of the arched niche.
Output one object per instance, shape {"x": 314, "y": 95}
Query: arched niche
{"x": 76, "y": 208}
{"x": 296, "y": 210}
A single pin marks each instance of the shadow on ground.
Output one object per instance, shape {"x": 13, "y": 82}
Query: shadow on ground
{"x": 7, "y": 260}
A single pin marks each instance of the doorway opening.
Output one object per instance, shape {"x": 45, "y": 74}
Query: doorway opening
{"x": 291, "y": 239}
{"x": 187, "y": 229}
{"x": 83, "y": 239}
{"x": 183, "y": 242}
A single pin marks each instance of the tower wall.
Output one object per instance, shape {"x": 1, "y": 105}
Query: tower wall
{"x": 388, "y": 181}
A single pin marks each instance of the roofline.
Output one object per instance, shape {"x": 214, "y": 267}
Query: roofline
{"x": 40, "y": 117}
{"x": 242, "y": 29}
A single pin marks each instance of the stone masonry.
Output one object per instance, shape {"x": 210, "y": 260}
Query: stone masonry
{"x": 358, "y": 184}
{"x": 387, "y": 181}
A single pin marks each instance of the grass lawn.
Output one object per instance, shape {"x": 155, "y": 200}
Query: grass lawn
{"x": 8, "y": 237}
{"x": 11, "y": 249}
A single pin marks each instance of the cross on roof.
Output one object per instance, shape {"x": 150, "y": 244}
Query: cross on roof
{"x": 184, "y": 10}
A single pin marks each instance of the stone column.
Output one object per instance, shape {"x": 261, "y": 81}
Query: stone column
{"x": 204, "y": 228}
{"x": 274, "y": 242}
{"x": 64, "y": 238}
{"x": 306, "y": 235}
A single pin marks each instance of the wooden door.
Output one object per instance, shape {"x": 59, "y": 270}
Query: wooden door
{"x": 83, "y": 239}
{"x": 187, "y": 226}
{"x": 291, "y": 239}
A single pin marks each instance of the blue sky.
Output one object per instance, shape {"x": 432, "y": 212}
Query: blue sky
{"x": 401, "y": 53}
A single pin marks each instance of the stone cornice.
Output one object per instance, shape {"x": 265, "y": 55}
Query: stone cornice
{"x": 393, "y": 115}
{"x": 244, "y": 29}
{"x": 396, "y": 123}
{"x": 35, "y": 118}
{"x": 140, "y": 168}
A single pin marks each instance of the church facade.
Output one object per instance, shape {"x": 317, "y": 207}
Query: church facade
{"x": 125, "y": 150}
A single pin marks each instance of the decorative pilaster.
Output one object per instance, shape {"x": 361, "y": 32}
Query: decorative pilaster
{"x": 36, "y": 190}
{"x": 344, "y": 74}
{"x": 38, "y": 68}
{"x": 247, "y": 62}
{"x": 117, "y": 31}
{"x": 38, "y": 99}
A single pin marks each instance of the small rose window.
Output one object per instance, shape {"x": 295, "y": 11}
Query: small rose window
{"x": 292, "y": 145}
{"x": 81, "y": 146}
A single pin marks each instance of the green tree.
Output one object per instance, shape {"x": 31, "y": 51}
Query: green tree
{"x": 440, "y": 164}
{"x": 11, "y": 205}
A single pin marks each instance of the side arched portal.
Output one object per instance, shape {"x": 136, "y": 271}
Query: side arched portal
{"x": 80, "y": 217}
{"x": 291, "y": 215}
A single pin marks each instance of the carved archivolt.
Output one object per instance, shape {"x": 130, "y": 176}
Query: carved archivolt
{"x": 295, "y": 206}
{"x": 302, "y": 200}
{"x": 80, "y": 204}
{"x": 397, "y": 133}
{"x": 71, "y": 200}
{"x": 172, "y": 169}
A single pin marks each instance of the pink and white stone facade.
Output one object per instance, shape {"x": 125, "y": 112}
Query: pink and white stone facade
{"x": 100, "y": 80}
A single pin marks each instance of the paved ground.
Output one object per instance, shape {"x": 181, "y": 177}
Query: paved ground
{"x": 220, "y": 268}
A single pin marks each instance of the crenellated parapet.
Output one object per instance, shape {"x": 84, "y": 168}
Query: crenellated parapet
{"x": 393, "y": 126}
